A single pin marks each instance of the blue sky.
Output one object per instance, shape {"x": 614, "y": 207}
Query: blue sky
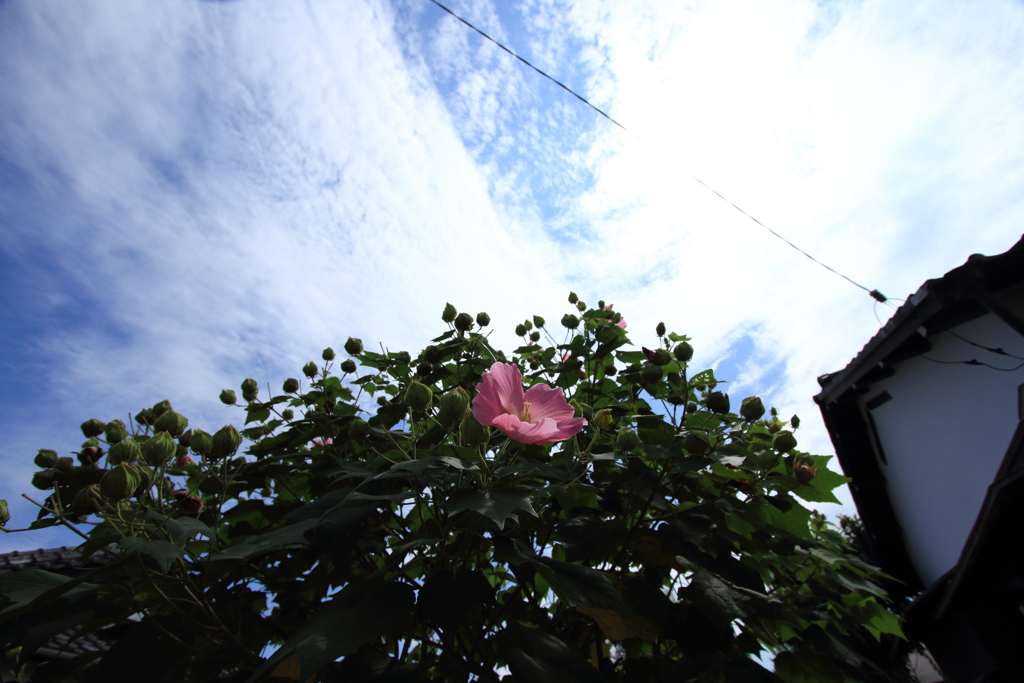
{"x": 192, "y": 193}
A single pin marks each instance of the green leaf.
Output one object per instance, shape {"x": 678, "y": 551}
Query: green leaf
{"x": 722, "y": 602}
{"x": 579, "y": 586}
{"x": 447, "y": 598}
{"x": 348, "y": 621}
{"x": 540, "y": 657}
{"x": 706, "y": 378}
{"x": 495, "y": 504}
{"x": 292, "y": 536}
{"x": 163, "y": 552}
{"x": 578, "y": 495}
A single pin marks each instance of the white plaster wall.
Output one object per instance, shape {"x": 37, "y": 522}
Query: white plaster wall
{"x": 944, "y": 434}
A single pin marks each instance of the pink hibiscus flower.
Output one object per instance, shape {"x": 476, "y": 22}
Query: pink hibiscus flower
{"x": 622, "y": 321}
{"x": 323, "y": 442}
{"x": 539, "y": 415}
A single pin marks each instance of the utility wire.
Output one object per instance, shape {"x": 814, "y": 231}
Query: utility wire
{"x": 875, "y": 294}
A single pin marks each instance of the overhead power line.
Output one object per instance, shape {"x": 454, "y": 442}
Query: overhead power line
{"x": 875, "y": 294}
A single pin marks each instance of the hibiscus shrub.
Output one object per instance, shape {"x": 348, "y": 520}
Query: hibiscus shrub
{"x": 577, "y": 511}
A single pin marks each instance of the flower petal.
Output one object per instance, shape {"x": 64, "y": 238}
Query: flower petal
{"x": 499, "y": 393}
{"x": 569, "y": 428}
{"x": 543, "y": 431}
{"x": 547, "y": 402}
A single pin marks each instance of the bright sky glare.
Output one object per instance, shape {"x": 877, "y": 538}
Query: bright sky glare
{"x": 192, "y": 193}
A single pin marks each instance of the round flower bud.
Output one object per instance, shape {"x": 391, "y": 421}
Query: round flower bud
{"x": 418, "y": 395}
{"x": 463, "y": 322}
{"x": 472, "y": 433}
{"x": 804, "y": 469}
{"x": 250, "y": 389}
{"x": 752, "y": 409}
{"x": 172, "y": 423}
{"x": 115, "y": 431}
{"x": 46, "y": 458}
{"x": 357, "y": 429}
{"x": 228, "y": 398}
{"x": 784, "y": 441}
{"x": 93, "y": 427}
{"x": 521, "y": 330}
{"x": 88, "y": 501}
{"x": 683, "y": 352}
{"x": 661, "y": 357}
{"x": 185, "y": 438}
{"x": 146, "y": 477}
{"x": 124, "y": 451}
{"x": 290, "y": 386}
{"x": 89, "y": 455}
{"x": 570, "y": 321}
{"x": 328, "y": 354}
{"x": 424, "y": 369}
{"x": 348, "y": 366}
{"x": 43, "y": 480}
{"x": 64, "y": 465}
{"x": 432, "y": 354}
{"x": 603, "y": 418}
{"x": 660, "y": 329}
{"x": 225, "y": 442}
{"x": 538, "y": 321}
{"x": 353, "y": 346}
{"x": 455, "y": 402}
{"x": 650, "y": 373}
{"x": 535, "y": 336}
{"x": 145, "y": 417}
{"x": 287, "y": 413}
{"x": 449, "y": 313}
{"x": 696, "y": 443}
{"x": 795, "y": 422}
{"x": 627, "y": 439}
{"x": 310, "y": 369}
{"x": 580, "y": 306}
{"x": 573, "y": 298}
{"x": 691, "y": 407}
{"x": 718, "y": 402}
{"x": 401, "y": 357}
{"x": 161, "y": 408}
{"x": 774, "y": 412}
{"x": 202, "y": 443}
{"x": 191, "y": 505}
{"x": 382, "y": 401}
{"x": 482, "y": 319}
{"x": 774, "y": 426}
{"x": 5, "y": 516}
{"x": 120, "y": 482}
{"x": 610, "y": 370}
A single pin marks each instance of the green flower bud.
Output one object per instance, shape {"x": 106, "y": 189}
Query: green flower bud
{"x": 752, "y": 409}
{"x": 521, "y": 330}
{"x": 463, "y": 322}
{"x": 718, "y": 402}
{"x": 774, "y": 412}
{"x": 627, "y": 439}
{"x": 691, "y": 407}
{"x": 159, "y": 449}
{"x": 93, "y": 428}
{"x": 43, "y": 480}
{"x": 573, "y": 298}
{"x": 328, "y": 354}
{"x": 64, "y": 465}
{"x": 535, "y": 336}
{"x": 348, "y": 366}
{"x": 146, "y": 478}
{"x": 5, "y": 516}
{"x": 124, "y": 451}
{"x": 146, "y": 417}
{"x": 290, "y": 386}
{"x": 382, "y": 401}
{"x": 650, "y": 373}
{"x": 455, "y": 402}
{"x": 432, "y": 354}
{"x": 472, "y": 433}
{"x": 696, "y": 443}
{"x": 424, "y": 369}
{"x": 115, "y": 431}
{"x": 357, "y": 429}
{"x": 449, "y": 313}
{"x": 353, "y": 346}
{"x": 120, "y": 482}
{"x": 185, "y": 439}
{"x": 418, "y": 395}
{"x": 610, "y": 370}
{"x": 88, "y": 501}
{"x": 683, "y": 352}
{"x": 660, "y": 329}
{"x": 250, "y": 389}
{"x": 784, "y": 441}
{"x": 171, "y": 422}
{"x": 661, "y": 357}
{"x": 287, "y": 414}
{"x": 400, "y": 357}
{"x": 804, "y": 469}
{"x": 228, "y": 398}
{"x": 310, "y": 369}
{"x": 570, "y": 321}
{"x": 580, "y": 306}
{"x": 202, "y": 443}
{"x": 90, "y": 455}
{"x": 225, "y": 443}
{"x": 795, "y": 422}
{"x": 774, "y": 426}
{"x": 46, "y": 458}
{"x": 603, "y": 418}
{"x": 482, "y": 319}
{"x": 161, "y": 408}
